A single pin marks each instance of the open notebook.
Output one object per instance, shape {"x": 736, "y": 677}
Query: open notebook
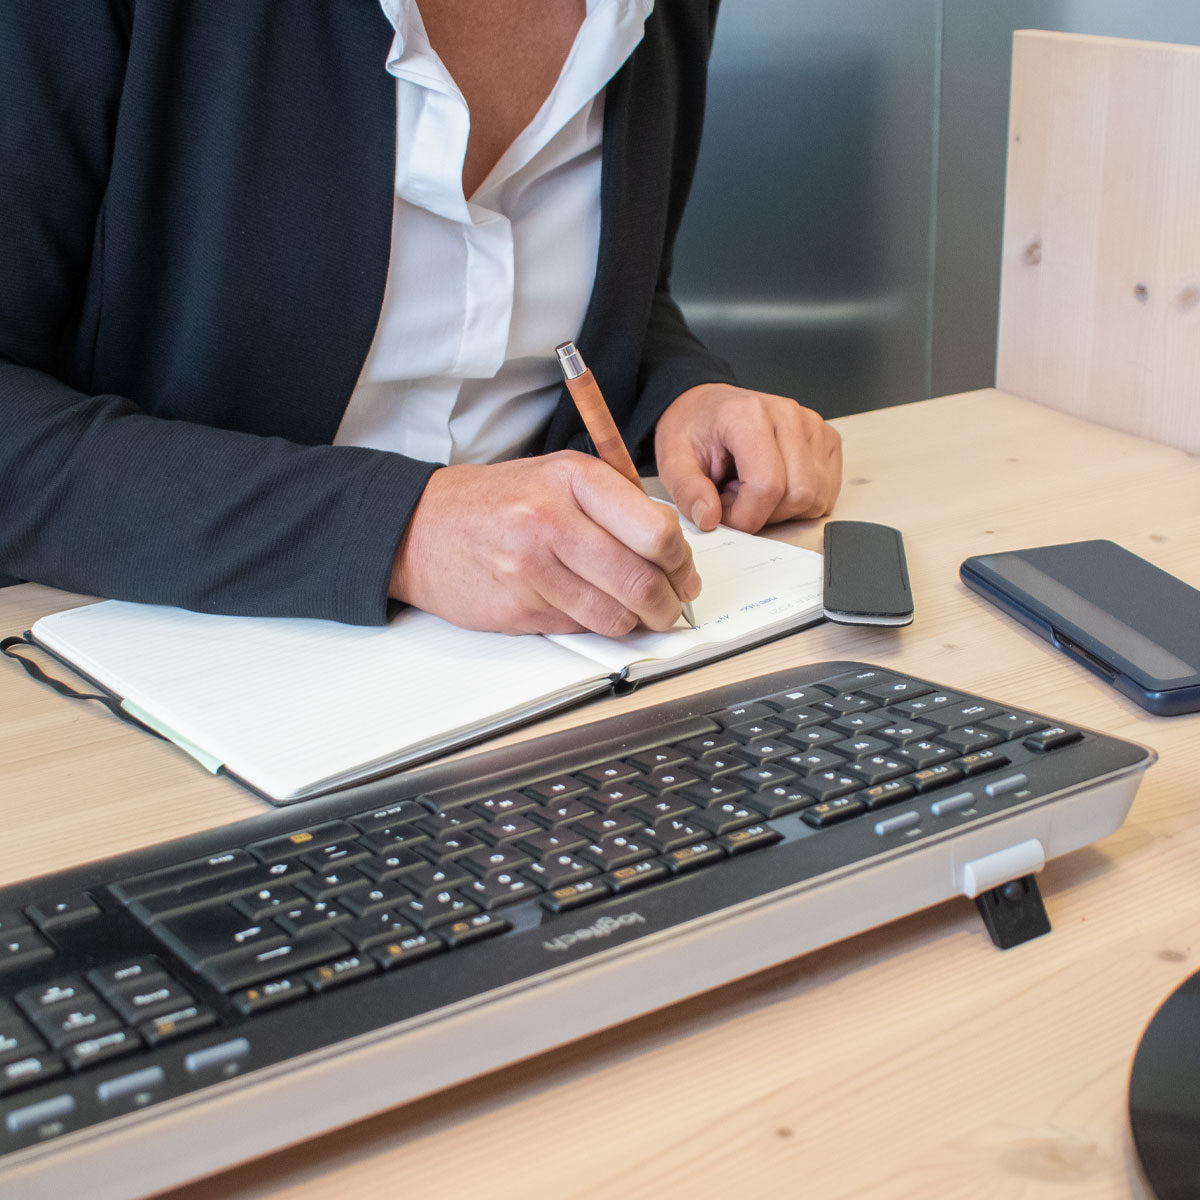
{"x": 295, "y": 708}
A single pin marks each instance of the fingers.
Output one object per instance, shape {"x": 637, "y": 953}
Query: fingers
{"x": 690, "y": 487}
{"x": 772, "y": 459}
{"x": 636, "y": 551}
{"x": 547, "y": 545}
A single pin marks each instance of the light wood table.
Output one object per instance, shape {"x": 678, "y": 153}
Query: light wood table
{"x": 913, "y": 1061}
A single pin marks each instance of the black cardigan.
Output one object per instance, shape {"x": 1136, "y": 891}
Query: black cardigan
{"x": 195, "y": 218}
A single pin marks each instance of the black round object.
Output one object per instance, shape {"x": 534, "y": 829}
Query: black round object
{"x": 1164, "y": 1095}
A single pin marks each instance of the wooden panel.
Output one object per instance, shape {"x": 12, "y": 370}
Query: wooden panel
{"x": 1100, "y": 286}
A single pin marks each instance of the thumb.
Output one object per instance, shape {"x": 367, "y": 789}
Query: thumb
{"x": 693, "y": 493}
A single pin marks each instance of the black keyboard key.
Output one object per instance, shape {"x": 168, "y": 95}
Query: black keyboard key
{"x": 749, "y": 837}
{"x": 1052, "y": 738}
{"x": 704, "y": 794}
{"x": 832, "y": 812}
{"x": 768, "y": 775}
{"x": 497, "y": 890}
{"x": 86, "y": 1016}
{"x": 556, "y": 840}
{"x": 728, "y": 815}
{"x": 162, "y": 906}
{"x": 183, "y": 875}
{"x": 613, "y": 771}
{"x": 28, "y": 1071}
{"x": 495, "y": 860}
{"x": 407, "y": 950}
{"x": 629, "y": 879}
{"x": 782, "y": 799}
{"x": 615, "y": 852}
{"x": 689, "y": 858}
{"x": 447, "y": 846}
{"x": 968, "y": 712}
{"x": 815, "y": 760}
{"x": 879, "y": 768}
{"x": 900, "y": 733}
{"x": 812, "y": 694}
{"x": 575, "y": 895}
{"x": 861, "y": 746}
{"x": 827, "y": 785}
{"x": 55, "y": 913}
{"x": 846, "y": 702}
{"x": 619, "y": 795}
{"x": 305, "y": 918}
{"x": 505, "y": 804}
{"x": 253, "y": 966}
{"x": 673, "y": 832}
{"x": 935, "y": 777}
{"x": 713, "y": 743}
{"x": 893, "y": 690}
{"x": 331, "y": 884}
{"x": 507, "y": 829}
{"x": 340, "y": 971}
{"x": 148, "y": 998}
{"x": 926, "y": 754}
{"x": 859, "y": 681}
{"x": 210, "y": 933}
{"x": 604, "y": 825}
{"x": 1011, "y": 725}
{"x": 669, "y": 804}
{"x": 856, "y": 723}
{"x": 390, "y": 838}
{"x": 439, "y": 876}
{"x": 756, "y": 710}
{"x": 266, "y": 902}
{"x": 557, "y": 870}
{"x": 815, "y": 738}
{"x": 122, "y": 974}
{"x": 386, "y": 925}
{"x": 882, "y": 794}
{"x": 438, "y": 908}
{"x": 181, "y": 1022}
{"x": 747, "y": 732}
{"x": 475, "y": 929}
{"x": 967, "y": 738}
{"x": 68, "y": 989}
{"x": 337, "y": 856}
{"x": 561, "y": 787}
{"x": 395, "y": 865}
{"x": 290, "y": 845}
{"x": 983, "y": 760}
{"x": 441, "y": 825}
{"x": 649, "y": 761}
{"x": 722, "y": 762}
{"x": 391, "y": 816}
{"x": 916, "y": 708}
{"x": 269, "y": 994}
{"x": 670, "y": 779}
{"x": 563, "y": 812}
{"x": 18, "y": 1039}
{"x": 101, "y": 1048}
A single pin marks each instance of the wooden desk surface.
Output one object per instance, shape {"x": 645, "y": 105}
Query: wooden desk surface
{"x": 911, "y": 1061}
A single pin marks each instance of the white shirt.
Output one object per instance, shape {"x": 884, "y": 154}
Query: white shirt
{"x": 481, "y": 290}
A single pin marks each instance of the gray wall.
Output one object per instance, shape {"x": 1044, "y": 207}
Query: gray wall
{"x": 843, "y": 240}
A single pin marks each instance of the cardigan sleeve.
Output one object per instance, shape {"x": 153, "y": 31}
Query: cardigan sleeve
{"x": 96, "y": 494}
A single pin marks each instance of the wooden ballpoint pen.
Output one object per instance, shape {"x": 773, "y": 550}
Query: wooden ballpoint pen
{"x": 601, "y": 427}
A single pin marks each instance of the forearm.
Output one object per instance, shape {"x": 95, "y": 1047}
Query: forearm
{"x": 97, "y": 496}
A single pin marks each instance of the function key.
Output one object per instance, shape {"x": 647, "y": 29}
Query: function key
{"x": 291, "y": 845}
{"x": 982, "y": 760}
{"x": 883, "y": 794}
{"x": 179, "y": 1023}
{"x": 749, "y": 838}
{"x": 936, "y": 777}
{"x": 1052, "y": 738}
{"x": 475, "y": 929}
{"x": 628, "y": 879}
{"x": 831, "y": 812}
{"x": 688, "y": 858}
{"x": 574, "y": 895}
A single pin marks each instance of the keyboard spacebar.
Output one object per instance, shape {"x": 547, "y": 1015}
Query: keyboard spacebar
{"x": 586, "y": 754}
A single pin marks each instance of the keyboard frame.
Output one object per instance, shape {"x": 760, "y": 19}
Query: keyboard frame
{"x": 688, "y": 939}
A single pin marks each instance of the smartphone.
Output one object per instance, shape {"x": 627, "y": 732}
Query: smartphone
{"x": 1123, "y": 618}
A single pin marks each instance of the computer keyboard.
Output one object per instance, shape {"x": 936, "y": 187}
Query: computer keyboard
{"x": 170, "y": 1012}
